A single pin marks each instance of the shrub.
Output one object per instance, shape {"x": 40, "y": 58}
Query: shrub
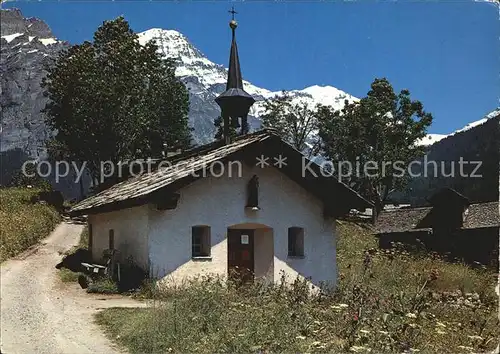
{"x": 103, "y": 286}
{"x": 84, "y": 239}
{"x": 22, "y": 223}
{"x": 21, "y": 179}
{"x": 68, "y": 276}
{"x": 132, "y": 276}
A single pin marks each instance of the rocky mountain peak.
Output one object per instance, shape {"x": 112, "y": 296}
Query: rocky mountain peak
{"x": 190, "y": 61}
{"x": 27, "y": 48}
{"x": 206, "y": 79}
{"x": 13, "y": 22}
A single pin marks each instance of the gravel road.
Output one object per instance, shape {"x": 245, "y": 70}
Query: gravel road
{"x": 39, "y": 314}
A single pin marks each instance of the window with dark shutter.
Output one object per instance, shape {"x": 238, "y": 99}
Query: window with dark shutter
{"x": 111, "y": 239}
{"x": 200, "y": 241}
{"x": 91, "y": 240}
{"x": 295, "y": 242}
{"x": 253, "y": 193}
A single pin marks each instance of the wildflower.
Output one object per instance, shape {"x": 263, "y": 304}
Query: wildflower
{"x": 433, "y": 274}
{"x": 468, "y": 303}
{"x": 411, "y": 315}
{"x": 318, "y": 345}
{"x": 465, "y": 348}
{"x": 339, "y": 307}
{"x": 355, "y": 317}
{"x": 475, "y": 337}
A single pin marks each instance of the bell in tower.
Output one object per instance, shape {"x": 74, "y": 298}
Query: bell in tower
{"x": 235, "y": 102}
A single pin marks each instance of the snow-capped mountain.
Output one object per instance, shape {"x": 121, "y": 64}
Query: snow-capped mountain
{"x": 477, "y": 144}
{"x": 28, "y": 47}
{"x": 190, "y": 61}
{"x": 206, "y": 80}
{"x": 431, "y": 139}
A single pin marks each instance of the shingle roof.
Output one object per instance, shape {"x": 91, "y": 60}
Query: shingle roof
{"x": 185, "y": 165}
{"x": 150, "y": 182}
{"x": 478, "y": 215}
{"x": 482, "y": 215}
{"x": 400, "y": 220}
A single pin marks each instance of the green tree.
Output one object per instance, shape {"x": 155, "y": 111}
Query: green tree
{"x": 113, "y": 99}
{"x": 219, "y": 126}
{"x": 366, "y": 139}
{"x": 29, "y": 178}
{"x": 295, "y": 122}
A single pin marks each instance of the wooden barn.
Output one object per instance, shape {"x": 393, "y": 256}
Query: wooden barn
{"x": 450, "y": 225}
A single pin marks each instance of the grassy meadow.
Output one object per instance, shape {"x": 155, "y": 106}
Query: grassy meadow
{"x": 22, "y": 223}
{"x": 386, "y": 301}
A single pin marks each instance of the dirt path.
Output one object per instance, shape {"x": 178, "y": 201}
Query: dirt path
{"x": 39, "y": 314}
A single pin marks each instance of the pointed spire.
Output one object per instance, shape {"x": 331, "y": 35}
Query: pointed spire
{"x": 235, "y": 102}
{"x": 234, "y": 79}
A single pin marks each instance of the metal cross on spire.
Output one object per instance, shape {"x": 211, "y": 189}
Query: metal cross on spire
{"x": 232, "y": 12}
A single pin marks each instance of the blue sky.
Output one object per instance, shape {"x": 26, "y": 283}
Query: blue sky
{"x": 446, "y": 53}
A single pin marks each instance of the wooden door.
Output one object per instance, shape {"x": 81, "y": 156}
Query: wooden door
{"x": 240, "y": 255}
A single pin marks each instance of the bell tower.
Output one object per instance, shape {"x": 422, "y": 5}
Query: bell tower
{"x": 235, "y": 102}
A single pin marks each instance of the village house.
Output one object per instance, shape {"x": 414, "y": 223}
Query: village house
{"x": 450, "y": 225}
{"x": 250, "y": 206}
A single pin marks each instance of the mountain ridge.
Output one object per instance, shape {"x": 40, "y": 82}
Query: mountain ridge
{"x": 28, "y": 46}
{"x": 207, "y": 79}
{"x": 204, "y": 79}
{"x": 432, "y": 139}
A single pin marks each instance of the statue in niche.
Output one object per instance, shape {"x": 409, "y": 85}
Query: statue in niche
{"x": 253, "y": 193}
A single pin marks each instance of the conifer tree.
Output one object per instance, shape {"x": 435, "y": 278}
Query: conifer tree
{"x": 219, "y": 133}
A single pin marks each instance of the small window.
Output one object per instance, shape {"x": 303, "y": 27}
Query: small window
{"x": 91, "y": 241}
{"x": 201, "y": 241}
{"x": 111, "y": 239}
{"x": 295, "y": 242}
{"x": 253, "y": 193}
